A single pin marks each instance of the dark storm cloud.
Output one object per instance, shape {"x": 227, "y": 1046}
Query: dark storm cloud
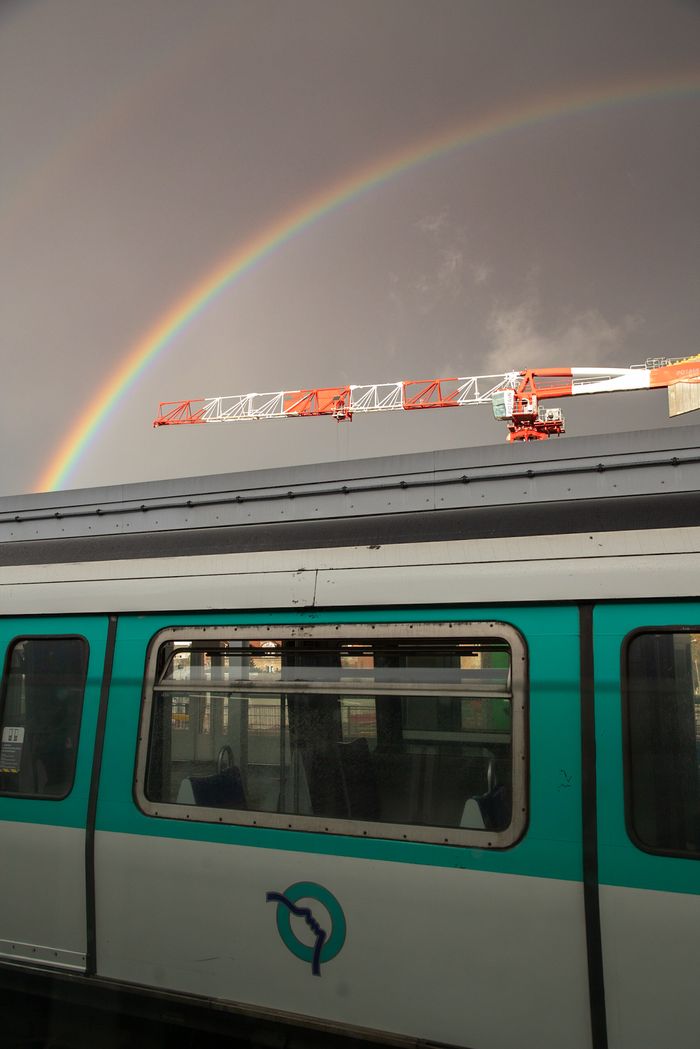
{"x": 143, "y": 141}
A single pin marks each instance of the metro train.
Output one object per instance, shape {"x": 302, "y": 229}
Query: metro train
{"x": 403, "y": 751}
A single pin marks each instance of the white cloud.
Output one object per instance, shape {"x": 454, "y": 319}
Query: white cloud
{"x": 451, "y": 260}
{"x": 433, "y": 225}
{"x": 446, "y": 273}
{"x": 481, "y": 273}
{"x": 520, "y": 339}
{"x": 444, "y": 280}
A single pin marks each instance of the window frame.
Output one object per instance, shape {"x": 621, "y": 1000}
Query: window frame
{"x": 469, "y": 837}
{"x": 4, "y": 685}
{"x": 625, "y": 693}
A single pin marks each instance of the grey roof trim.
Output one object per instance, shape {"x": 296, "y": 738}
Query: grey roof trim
{"x": 581, "y": 469}
{"x": 667, "y": 510}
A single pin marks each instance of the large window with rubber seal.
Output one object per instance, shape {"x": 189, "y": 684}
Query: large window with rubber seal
{"x": 412, "y": 731}
{"x": 662, "y": 754}
{"x": 41, "y": 704}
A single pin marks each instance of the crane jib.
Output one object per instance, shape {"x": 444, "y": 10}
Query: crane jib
{"x": 514, "y": 396}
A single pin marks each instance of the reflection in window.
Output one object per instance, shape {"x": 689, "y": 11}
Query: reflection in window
{"x": 41, "y": 710}
{"x": 663, "y": 710}
{"x": 414, "y": 732}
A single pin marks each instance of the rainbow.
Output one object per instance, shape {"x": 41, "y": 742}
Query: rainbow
{"x": 189, "y": 306}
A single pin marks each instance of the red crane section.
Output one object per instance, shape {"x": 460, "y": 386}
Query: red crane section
{"x": 333, "y": 400}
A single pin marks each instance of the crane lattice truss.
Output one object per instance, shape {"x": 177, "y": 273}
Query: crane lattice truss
{"x": 515, "y": 397}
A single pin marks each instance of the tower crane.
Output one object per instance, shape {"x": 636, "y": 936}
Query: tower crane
{"x": 516, "y": 397}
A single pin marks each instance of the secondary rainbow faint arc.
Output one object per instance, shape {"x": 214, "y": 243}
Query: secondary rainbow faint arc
{"x": 315, "y": 207}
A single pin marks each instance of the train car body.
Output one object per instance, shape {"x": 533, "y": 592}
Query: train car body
{"x": 404, "y": 749}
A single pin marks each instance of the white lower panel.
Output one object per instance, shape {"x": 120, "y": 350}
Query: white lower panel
{"x": 482, "y": 960}
{"x": 651, "y": 959}
{"x": 42, "y": 894}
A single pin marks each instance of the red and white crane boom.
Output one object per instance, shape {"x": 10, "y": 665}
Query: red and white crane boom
{"x": 514, "y": 396}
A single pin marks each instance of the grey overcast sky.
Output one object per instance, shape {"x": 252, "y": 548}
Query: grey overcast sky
{"x": 142, "y": 141}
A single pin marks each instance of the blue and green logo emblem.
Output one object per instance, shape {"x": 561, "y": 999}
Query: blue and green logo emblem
{"x": 327, "y": 942}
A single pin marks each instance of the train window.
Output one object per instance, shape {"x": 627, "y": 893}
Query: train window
{"x": 663, "y": 741}
{"x": 42, "y": 703}
{"x": 404, "y": 732}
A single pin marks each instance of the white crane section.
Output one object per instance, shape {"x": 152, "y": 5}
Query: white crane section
{"x": 355, "y": 400}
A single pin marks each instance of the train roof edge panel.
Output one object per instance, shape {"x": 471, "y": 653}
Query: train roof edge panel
{"x": 627, "y": 480}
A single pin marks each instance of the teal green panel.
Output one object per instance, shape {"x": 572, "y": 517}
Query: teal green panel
{"x": 620, "y": 861}
{"x": 551, "y": 846}
{"x": 72, "y": 810}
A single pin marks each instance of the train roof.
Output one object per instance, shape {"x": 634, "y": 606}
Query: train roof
{"x": 605, "y": 482}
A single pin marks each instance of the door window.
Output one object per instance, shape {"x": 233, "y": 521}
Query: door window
{"x": 42, "y": 700}
{"x": 663, "y": 740}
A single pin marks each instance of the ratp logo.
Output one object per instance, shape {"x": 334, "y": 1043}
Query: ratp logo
{"x": 327, "y": 942}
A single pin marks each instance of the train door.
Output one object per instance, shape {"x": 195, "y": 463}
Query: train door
{"x": 52, "y": 670}
{"x": 647, "y": 683}
{"x": 368, "y": 820}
